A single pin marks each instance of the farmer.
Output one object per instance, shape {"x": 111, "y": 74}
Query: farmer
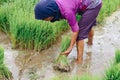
{"x": 55, "y": 10}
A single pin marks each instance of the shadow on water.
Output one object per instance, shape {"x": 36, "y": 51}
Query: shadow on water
{"x": 31, "y": 65}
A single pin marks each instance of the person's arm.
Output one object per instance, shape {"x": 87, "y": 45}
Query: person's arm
{"x": 73, "y": 40}
{"x": 71, "y": 18}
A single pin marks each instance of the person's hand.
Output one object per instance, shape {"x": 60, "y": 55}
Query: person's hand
{"x": 67, "y": 52}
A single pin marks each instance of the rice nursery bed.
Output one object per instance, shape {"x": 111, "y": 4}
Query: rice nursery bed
{"x": 17, "y": 20}
{"x": 25, "y": 32}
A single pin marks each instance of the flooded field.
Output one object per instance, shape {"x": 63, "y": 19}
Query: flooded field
{"x": 31, "y": 65}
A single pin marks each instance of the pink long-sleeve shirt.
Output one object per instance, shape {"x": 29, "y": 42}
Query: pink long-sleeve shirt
{"x": 69, "y": 9}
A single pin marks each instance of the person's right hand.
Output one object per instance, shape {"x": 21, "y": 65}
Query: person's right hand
{"x": 67, "y": 52}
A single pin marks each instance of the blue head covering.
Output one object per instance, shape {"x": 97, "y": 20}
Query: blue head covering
{"x": 47, "y": 8}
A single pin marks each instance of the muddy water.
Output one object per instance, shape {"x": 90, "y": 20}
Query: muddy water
{"x": 31, "y": 65}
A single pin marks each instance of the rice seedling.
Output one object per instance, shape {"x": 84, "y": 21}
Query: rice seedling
{"x": 4, "y": 71}
{"x": 61, "y": 63}
{"x": 1, "y": 55}
{"x": 117, "y": 56}
{"x": 65, "y": 43}
{"x": 113, "y": 73}
{"x": 5, "y": 1}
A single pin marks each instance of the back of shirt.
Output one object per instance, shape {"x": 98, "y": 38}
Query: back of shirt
{"x": 69, "y": 8}
{"x": 91, "y": 3}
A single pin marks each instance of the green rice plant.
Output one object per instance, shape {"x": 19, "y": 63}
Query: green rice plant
{"x": 30, "y": 35}
{"x": 4, "y": 72}
{"x": 108, "y": 7}
{"x": 117, "y": 56}
{"x": 60, "y": 27}
{"x": 5, "y": 1}
{"x": 2, "y": 1}
{"x": 104, "y": 11}
{"x": 61, "y": 63}
{"x": 113, "y": 72}
{"x": 65, "y": 43}
{"x": 3, "y": 18}
{"x": 5, "y": 12}
{"x": 1, "y": 55}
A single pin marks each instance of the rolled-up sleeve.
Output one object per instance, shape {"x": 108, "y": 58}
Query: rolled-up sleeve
{"x": 71, "y": 18}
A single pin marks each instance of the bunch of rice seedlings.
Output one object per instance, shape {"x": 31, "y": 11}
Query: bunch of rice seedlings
{"x": 113, "y": 73}
{"x": 4, "y": 72}
{"x": 117, "y": 56}
{"x": 65, "y": 43}
{"x": 61, "y": 63}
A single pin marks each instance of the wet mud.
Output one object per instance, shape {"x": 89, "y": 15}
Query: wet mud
{"x": 32, "y": 65}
